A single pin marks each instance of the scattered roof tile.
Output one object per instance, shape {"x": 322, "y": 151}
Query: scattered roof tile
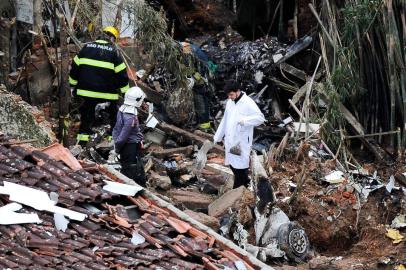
{"x": 103, "y": 240}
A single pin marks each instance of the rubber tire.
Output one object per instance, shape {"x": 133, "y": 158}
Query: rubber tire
{"x": 283, "y": 240}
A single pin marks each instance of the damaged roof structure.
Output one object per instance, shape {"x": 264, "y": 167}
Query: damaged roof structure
{"x": 103, "y": 229}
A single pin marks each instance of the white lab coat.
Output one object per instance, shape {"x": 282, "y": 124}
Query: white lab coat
{"x": 247, "y": 110}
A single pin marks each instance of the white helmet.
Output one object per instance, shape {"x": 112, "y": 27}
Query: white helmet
{"x": 134, "y": 97}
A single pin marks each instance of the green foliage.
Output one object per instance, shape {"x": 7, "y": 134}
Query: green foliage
{"x": 345, "y": 85}
{"x": 161, "y": 48}
{"x": 345, "y": 77}
{"x": 361, "y": 13}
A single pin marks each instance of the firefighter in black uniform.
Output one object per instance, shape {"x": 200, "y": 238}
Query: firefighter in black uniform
{"x": 98, "y": 74}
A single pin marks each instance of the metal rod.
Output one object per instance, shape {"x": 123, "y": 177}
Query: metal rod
{"x": 372, "y": 134}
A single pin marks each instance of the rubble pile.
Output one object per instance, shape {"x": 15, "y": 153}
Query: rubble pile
{"x": 244, "y": 61}
{"x": 101, "y": 226}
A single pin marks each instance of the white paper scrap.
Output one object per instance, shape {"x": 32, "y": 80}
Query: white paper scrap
{"x": 122, "y": 189}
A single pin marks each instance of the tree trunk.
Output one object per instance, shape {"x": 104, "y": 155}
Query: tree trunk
{"x": 13, "y": 48}
{"x": 37, "y": 18}
{"x": 392, "y": 71}
{"x": 5, "y": 26}
{"x": 64, "y": 88}
{"x": 119, "y": 18}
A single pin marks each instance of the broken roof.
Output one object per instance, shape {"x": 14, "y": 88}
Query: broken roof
{"x": 119, "y": 232}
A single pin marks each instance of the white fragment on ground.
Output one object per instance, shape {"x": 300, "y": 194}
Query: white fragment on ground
{"x": 61, "y": 223}
{"x": 37, "y": 199}
{"x": 122, "y": 189}
{"x": 391, "y": 184}
{"x": 399, "y": 222}
{"x": 259, "y": 76}
{"x": 54, "y": 197}
{"x": 335, "y": 177}
{"x": 240, "y": 265}
{"x": 277, "y": 57}
{"x": 8, "y": 215}
{"x": 137, "y": 239}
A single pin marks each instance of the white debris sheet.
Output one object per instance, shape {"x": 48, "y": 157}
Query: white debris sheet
{"x": 9, "y": 216}
{"x": 122, "y": 189}
{"x": 37, "y": 199}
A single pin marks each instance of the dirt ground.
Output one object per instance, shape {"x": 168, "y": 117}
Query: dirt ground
{"x": 343, "y": 233}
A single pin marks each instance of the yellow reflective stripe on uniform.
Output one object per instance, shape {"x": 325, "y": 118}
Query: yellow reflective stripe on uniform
{"x": 125, "y": 88}
{"x": 92, "y": 94}
{"x": 72, "y": 81}
{"x": 205, "y": 125}
{"x": 76, "y": 60}
{"x": 119, "y": 68}
{"x": 96, "y": 63}
{"x": 102, "y": 41}
{"x": 83, "y": 137}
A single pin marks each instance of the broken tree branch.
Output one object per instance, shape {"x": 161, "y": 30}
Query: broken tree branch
{"x": 322, "y": 142}
{"x": 300, "y": 183}
{"x": 330, "y": 40}
{"x": 75, "y": 11}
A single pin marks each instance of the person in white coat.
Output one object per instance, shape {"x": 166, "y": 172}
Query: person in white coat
{"x": 237, "y": 129}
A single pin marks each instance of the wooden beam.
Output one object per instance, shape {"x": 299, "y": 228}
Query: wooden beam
{"x": 299, "y": 94}
{"x": 203, "y": 134}
{"x": 153, "y": 95}
{"x": 188, "y": 150}
{"x": 188, "y": 136}
{"x": 300, "y": 74}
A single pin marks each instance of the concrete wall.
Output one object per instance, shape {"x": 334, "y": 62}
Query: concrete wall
{"x": 19, "y": 120}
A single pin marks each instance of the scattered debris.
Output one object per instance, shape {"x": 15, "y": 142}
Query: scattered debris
{"x": 231, "y": 199}
{"x": 399, "y": 222}
{"x": 160, "y": 181}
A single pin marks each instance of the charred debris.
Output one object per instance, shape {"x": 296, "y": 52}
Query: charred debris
{"x": 327, "y": 168}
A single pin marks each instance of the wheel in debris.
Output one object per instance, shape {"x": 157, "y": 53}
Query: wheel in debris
{"x": 293, "y": 241}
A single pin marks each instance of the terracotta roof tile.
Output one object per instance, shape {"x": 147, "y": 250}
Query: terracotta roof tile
{"x": 103, "y": 239}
